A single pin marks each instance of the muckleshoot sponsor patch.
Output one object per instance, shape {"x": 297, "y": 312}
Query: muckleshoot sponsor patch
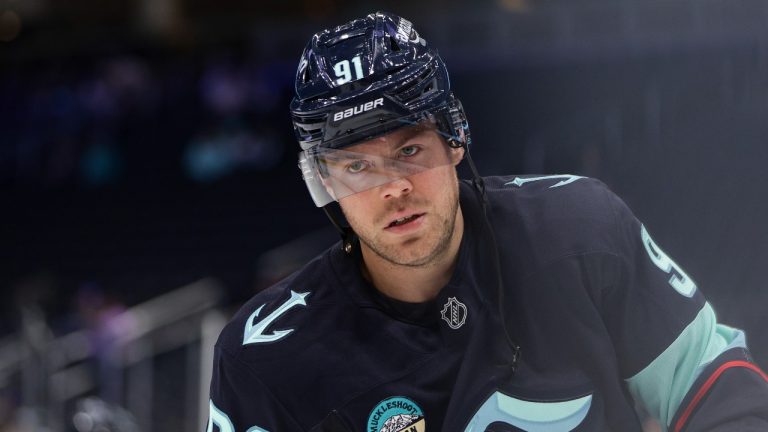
{"x": 396, "y": 414}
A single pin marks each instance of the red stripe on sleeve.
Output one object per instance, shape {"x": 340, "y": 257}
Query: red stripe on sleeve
{"x": 708, "y": 384}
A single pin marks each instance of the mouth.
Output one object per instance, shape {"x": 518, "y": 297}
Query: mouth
{"x": 405, "y": 220}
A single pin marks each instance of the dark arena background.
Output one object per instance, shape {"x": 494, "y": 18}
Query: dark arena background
{"x": 148, "y": 178}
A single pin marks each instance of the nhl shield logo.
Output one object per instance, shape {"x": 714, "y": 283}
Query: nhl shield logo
{"x": 454, "y": 313}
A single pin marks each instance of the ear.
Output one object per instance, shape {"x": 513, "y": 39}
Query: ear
{"x": 457, "y": 154}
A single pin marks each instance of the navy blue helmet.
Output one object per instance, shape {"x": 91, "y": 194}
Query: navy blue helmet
{"x": 368, "y": 77}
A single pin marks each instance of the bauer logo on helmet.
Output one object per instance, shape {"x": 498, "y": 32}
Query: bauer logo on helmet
{"x": 364, "y": 107}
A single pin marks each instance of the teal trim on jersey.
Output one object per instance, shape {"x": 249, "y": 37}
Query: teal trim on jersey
{"x": 663, "y": 384}
{"x": 566, "y": 179}
{"x": 530, "y": 416}
{"x": 219, "y": 418}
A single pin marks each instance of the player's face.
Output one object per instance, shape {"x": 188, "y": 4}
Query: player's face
{"x": 411, "y": 220}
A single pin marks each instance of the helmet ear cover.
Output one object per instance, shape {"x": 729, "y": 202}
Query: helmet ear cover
{"x": 459, "y": 125}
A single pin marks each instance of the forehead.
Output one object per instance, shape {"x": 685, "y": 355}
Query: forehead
{"x": 425, "y": 131}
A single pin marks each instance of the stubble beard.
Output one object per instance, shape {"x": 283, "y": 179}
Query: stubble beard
{"x": 434, "y": 246}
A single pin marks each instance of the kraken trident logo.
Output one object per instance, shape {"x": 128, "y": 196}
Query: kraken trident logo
{"x": 454, "y": 313}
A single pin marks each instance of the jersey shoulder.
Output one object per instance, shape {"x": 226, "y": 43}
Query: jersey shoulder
{"x": 276, "y": 319}
{"x": 552, "y": 216}
{"x": 582, "y": 196}
{"x": 314, "y": 346}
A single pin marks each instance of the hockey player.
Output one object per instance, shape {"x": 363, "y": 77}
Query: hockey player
{"x": 520, "y": 303}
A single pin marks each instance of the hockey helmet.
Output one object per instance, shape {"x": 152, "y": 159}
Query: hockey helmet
{"x": 361, "y": 80}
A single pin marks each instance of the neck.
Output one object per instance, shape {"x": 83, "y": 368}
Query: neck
{"x": 414, "y": 284}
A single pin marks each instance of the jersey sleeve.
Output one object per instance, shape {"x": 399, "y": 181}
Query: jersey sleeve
{"x": 240, "y": 402}
{"x": 667, "y": 338}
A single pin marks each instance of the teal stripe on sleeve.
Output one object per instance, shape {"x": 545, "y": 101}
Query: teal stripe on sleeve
{"x": 661, "y": 386}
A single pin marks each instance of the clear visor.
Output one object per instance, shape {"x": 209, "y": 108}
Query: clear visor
{"x": 333, "y": 174}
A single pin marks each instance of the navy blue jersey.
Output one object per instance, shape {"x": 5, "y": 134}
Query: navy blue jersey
{"x": 596, "y": 323}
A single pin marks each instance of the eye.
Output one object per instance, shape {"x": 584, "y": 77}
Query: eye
{"x": 358, "y": 166}
{"x": 409, "y": 150}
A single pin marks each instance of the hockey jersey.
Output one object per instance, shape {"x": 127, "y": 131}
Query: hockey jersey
{"x": 562, "y": 314}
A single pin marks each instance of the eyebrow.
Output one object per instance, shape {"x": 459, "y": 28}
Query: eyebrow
{"x": 338, "y": 157}
{"x": 410, "y": 134}
{"x": 344, "y": 155}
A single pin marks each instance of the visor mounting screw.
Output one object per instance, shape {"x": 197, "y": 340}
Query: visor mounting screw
{"x": 348, "y": 247}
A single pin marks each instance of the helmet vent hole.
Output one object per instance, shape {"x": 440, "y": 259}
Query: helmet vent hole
{"x": 393, "y": 45}
{"x": 309, "y": 71}
{"x": 345, "y": 36}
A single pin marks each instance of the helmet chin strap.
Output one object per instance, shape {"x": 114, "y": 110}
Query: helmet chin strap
{"x": 347, "y": 235}
{"x": 477, "y": 181}
{"x": 493, "y": 250}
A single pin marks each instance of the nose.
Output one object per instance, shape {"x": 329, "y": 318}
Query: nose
{"x": 396, "y": 188}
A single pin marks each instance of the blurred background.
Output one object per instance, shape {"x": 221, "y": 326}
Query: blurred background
{"x": 148, "y": 179}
